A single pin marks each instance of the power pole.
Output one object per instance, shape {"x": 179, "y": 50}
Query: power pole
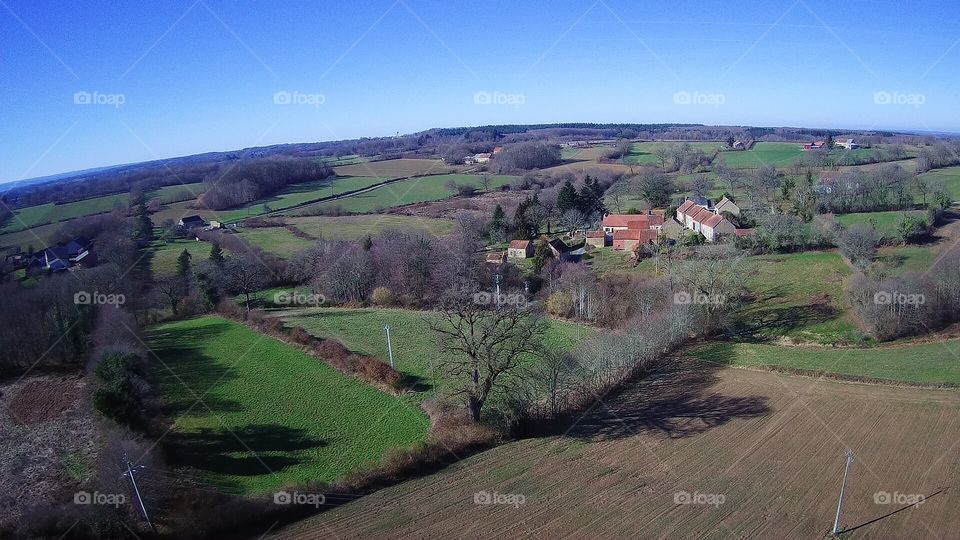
{"x": 843, "y": 488}
{"x": 136, "y": 492}
{"x": 389, "y": 345}
{"x": 496, "y": 279}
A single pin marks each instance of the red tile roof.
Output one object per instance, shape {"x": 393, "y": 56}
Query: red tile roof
{"x": 632, "y": 221}
{"x": 596, "y": 234}
{"x": 642, "y": 235}
{"x": 519, "y": 244}
{"x": 712, "y": 221}
{"x": 700, "y": 214}
{"x": 685, "y": 206}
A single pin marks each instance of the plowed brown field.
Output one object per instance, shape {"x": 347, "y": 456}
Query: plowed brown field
{"x": 771, "y": 445}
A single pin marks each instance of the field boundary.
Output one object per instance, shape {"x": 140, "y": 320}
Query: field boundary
{"x": 840, "y": 377}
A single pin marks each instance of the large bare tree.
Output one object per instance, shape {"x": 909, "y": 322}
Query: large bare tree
{"x": 481, "y": 344}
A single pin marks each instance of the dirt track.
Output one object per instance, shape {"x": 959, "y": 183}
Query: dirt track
{"x": 771, "y": 444}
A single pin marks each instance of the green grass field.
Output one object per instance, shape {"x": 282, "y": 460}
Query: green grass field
{"x": 269, "y": 415}
{"x": 950, "y": 176}
{"x": 885, "y": 222}
{"x": 276, "y": 240}
{"x": 901, "y": 259}
{"x": 934, "y": 363}
{"x": 763, "y": 153}
{"x": 356, "y": 227}
{"x": 415, "y": 352}
{"x": 298, "y": 194}
{"x": 801, "y": 296}
{"x": 396, "y": 168}
{"x": 409, "y": 191}
{"x": 643, "y": 153}
{"x": 164, "y": 261}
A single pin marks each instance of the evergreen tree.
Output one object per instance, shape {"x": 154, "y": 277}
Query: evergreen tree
{"x": 498, "y": 224}
{"x": 183, "y": 263}
{"x": 542, "y": 253}
{"x": 216, "y": 254}
{"x": 144, "y": 224}
{"x": 567, "y": 197}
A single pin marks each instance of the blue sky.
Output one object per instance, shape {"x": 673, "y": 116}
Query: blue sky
{"x": 198, "y": 76}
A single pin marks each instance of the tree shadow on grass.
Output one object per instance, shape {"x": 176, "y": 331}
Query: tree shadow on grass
{"x": 675, "y": 400}
{"x": 253, "y": 450}
{"x": 765, "y": 317}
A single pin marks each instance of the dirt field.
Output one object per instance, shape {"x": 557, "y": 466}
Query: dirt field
{"x": 45, "y": 442}
{"x": 760, "y": 455}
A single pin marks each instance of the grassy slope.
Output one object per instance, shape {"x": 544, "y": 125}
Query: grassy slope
{"x": 412, "y": 190}
{"x": 643, "y": 153}
{"x": 361, "y": 330}
{"x": 355, "y": 227}
{"x": 950, "y": 176}
{"x": 924, "y": 363}
{"x": 885, "y": 222}
{"x": 763, "y": 153}
{"x": 277, "y": 240}
{"x": 164, "y": 261}
{"x": 276, "y": 416}
{"x": 394, "y": 168}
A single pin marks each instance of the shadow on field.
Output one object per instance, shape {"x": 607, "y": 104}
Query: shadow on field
{"x": 246, "y": 451}
{"x": 675, "y": 401}
{"x": 763, "y": 317}
{"x": 888, "y": 514}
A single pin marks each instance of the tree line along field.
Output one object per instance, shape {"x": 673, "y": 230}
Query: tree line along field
{"x": 414, "y": 351}
{"x": 396, "y": 168}
{"x": 772, "y": 445}
{"x": 922, "y": 363}
{"x": 409, "y": 191}
{"x": 643, "y": 153}
{"x": 268, "y": 415}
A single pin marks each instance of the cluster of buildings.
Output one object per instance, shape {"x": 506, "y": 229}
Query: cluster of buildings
{"x": 58, "y": 258}
{"x": 849, "y": 144}
{"x": 699, "y": 214}
{"x": 483, "y": 157}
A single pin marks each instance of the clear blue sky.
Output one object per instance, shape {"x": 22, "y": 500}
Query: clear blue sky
{"x": 201, "y": 75}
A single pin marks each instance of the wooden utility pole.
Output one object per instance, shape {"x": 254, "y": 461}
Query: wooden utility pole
{"x": 136, "y": 492}
{"x": 843, "y": 488}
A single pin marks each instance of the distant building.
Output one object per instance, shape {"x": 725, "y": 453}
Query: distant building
{"x": 705, "y": 220}
{"x": 497, "y": 257}
{"x": 520, "y": 249}
{"x": 497, "y": 149}
{"x": 816, "y": 145}
{"x": 563, "y": 252}
{"x": 191, "y": 222}
{"x": 726, "y": 205}
{"x": 598, "y": 238}
{"x": 628, "y": 240}
{"x": 846, "y": 143}
{"x": 622, "y": 222}
{"x": 67, "y": 255}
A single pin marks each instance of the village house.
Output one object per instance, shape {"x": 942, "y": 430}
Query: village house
{"x": 623, "y": 222}
{"x": 726, "y": 205}
{"x": 598, "y": 238}
{"x": 191, "y": 222}
{"x": 65, "y": 256}
{"x": 628, "y": 240}
{"x": 816, "y": 145}
{"x": 562, "y": 252}
{"x": 847, "y": 143}
{"x": 704, "y": 220}
{"x": 520, "y": 249}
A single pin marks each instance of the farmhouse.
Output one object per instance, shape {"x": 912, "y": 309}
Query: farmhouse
{"x": 816, "y": 145}
{"x": 520, "y": 249}
{"x": 65, "y": 256}
{"x": 739, "y": 145}
{"x": 562, "y": 252}
{"x": 726, "y": 205}
{"x": 597, "y": 238}
{"x": 623, "y": 222}
{"x": 704, "y": 220}
{"x": 628, "y": 240}
{"x": 847, "y": 143}
{"x": 191, "y": 222}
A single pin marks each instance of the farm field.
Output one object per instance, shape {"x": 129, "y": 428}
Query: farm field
{"x": 901, "y": 259}
{"x": 950, "y": 176}
{"x": 361, "y": 330}
{"x": 356, "y": 227}
{"x": 164, "y": 256}
{"x": 297, "y": 194}
{"x": 38, "y": 237}
{"x": 929, "y": 363}
{"x": 270, "y": 415}
{"x": 409, "y": 191}
{"x": 643, "y": 153}
{"x": 779, "y": 154}
{"x": 772, "y": 445}
{"x": 885, "y": 222}
{"x": 277, "y": 240}
{"x": 395, "y": 168}
{"x": 799, "y": 295}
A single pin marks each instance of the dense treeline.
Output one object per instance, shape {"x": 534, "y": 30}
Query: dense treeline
{"x": 526, "y": 156}
{"x": 241, "y": 182}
